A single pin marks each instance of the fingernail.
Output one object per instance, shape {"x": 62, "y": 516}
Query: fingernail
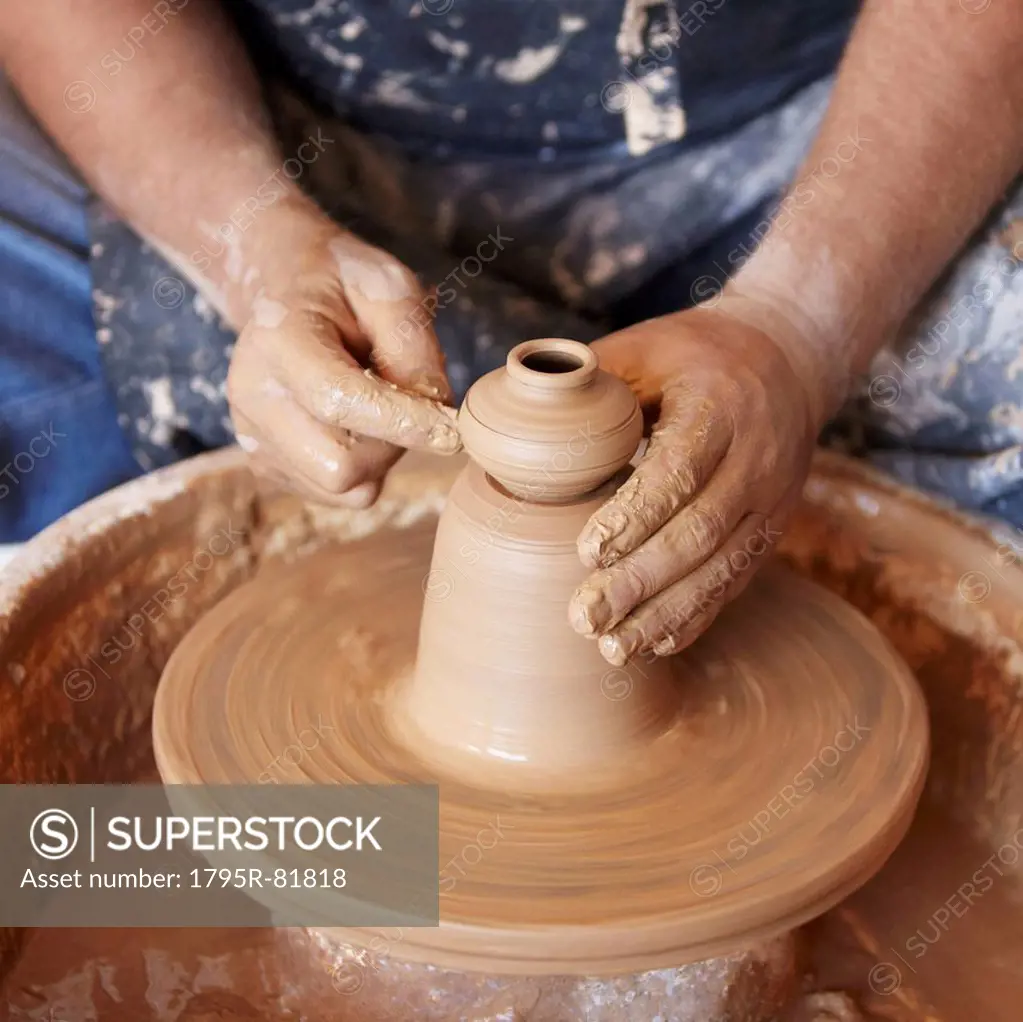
{"x": 664, "y": 647}
{"x": 588, "y": 610}
{"x": 359, "y": 497}
{"x": 616, "y": 649}
{"x": 596, "y": 538}
{"x": 425, "y": 389}
{"x": 434, "y": 387}
{"x": 444, "y": 438}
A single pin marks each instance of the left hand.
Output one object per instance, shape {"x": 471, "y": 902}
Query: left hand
{"x": 338, "y": 369}
{"x": 724, "y": 468}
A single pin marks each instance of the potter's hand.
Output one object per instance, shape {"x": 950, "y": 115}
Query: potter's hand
{"x": 705, "y": 506}
{"x": 338, "y": 370}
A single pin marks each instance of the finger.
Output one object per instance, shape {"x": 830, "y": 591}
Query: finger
{"x": 680, "y": 546}
{"x": 678, "y": 615}
{"x": 682, "y": 455}
{"x": 332, "y": 459}
{"x": 362, "y": 496}
{"x": 395, "y": 315}
{"x": 310, "y": 361}
{"x": 330, "y": 462}
{"x": 271, "y": 466}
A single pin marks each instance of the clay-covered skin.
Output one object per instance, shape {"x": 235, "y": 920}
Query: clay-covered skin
{"x": 338, "y": 369}
{"x": 785, "y": 777}
{"x": 708, "y": 502}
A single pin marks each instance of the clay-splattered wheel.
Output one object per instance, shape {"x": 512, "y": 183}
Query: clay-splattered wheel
{"x": 790, "y": 772}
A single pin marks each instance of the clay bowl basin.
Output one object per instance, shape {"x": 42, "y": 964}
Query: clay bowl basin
{"x": 937, "y": 936}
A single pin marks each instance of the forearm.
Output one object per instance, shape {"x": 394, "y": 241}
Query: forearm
{"x": 923, "y": 133}
{"x": 175, "y": 137}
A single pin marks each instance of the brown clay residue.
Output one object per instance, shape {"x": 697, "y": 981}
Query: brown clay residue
{"x": 1012, "y": 237}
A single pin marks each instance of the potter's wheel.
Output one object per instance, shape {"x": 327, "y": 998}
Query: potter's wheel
{"x": 782, "y": 774}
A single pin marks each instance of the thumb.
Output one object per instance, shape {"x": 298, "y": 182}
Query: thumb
{"x": 395, "y": 316}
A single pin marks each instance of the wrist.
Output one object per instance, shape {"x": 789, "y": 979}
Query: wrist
{"x": 817, "y": 358}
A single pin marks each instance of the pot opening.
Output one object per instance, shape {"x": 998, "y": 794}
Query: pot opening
{"x": 552, "y": 362}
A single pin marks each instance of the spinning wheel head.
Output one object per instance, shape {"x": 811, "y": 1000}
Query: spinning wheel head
{"x": 785, "y": 773}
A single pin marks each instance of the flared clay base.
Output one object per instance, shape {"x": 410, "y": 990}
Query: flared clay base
{"x": 787, "y": 773}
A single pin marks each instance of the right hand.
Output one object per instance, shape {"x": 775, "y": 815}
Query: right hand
{"x": 338, "y": 369}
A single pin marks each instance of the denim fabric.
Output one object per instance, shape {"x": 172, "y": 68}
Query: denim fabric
{"x": 549, "y": 79}
{"x": 587, "y": 248}
{"x": 60, "y": 443}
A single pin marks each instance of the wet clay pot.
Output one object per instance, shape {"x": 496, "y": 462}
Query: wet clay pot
{"x": 946, "y": 592}
{"x": 503, "y": 690}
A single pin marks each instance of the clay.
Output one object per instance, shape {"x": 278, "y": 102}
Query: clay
{"x": 893, "y": 554}
{"x": 503, "y": 690}
{"x": 640, "y": 817}
{"x": 550, "y": 426}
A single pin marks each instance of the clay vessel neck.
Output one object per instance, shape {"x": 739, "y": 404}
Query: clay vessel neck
{"x": 543, "y": 371}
